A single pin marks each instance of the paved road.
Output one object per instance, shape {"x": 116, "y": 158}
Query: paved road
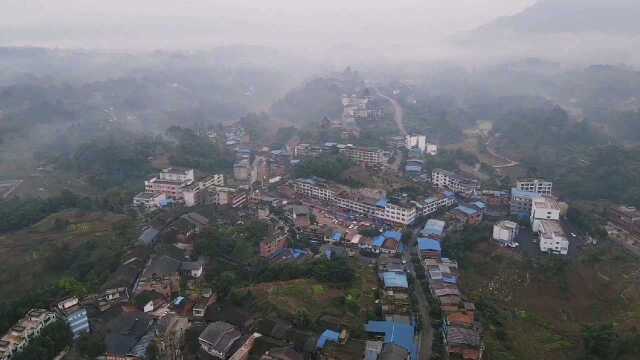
{"x": 398, "y": 112}
{"x": 425, "y": 337}
{"x": 508, "y": 162}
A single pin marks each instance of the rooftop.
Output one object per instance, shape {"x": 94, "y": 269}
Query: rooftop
{"x": 327, "y": 336}
{"x": 433, "y": 227}
{"x": 466, "y": 210}
{"x": 162, "y": 265}
{"x": 524, "y": 194}
{"x": 426, "y": 244}
{"x": 395, "y": 333}
{"x": 395, "y": 280}
{"x": 220, "y": 335}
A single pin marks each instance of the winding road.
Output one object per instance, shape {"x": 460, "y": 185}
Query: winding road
{"x": 398, "y": 112}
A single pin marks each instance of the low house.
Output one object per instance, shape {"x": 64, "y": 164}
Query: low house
{"x": 335, "y": 237}
{"x": 128, "y": 336}
{"x": 429, "y": 248}
{"x": 218, "y": 339}
{"x": 505, "y": 232}
{"x": 149, "y": 236}
{"x": 189, "y": 225}
{"x": 467, "y": 215}
{"x": 395, "y": 281}
{"x": 74, "y": 315}
{"x": 395, "y": 333}
{"x": 162, "y": 275}
{"x": 192, "y": 269}
{"x": 463, "y": 342}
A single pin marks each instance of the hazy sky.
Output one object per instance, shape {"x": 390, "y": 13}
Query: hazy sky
{"x": 193, "y": 23}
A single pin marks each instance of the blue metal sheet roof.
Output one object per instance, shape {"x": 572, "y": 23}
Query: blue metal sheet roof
{"x": 396, "y": 333}
{"x": 413, "y": 168}
{"x": 392, "y": 235}
{"x": 429, "y": 245}
{"x": 326, "y": 336}
{"x": 382, "y": 203}
{"x": 337, "y": 236}
{"x": 378, "y": 241}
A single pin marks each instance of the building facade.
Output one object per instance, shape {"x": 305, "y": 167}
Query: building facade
{"x": 539, "y": 186}
{"x": 454, "y": 182}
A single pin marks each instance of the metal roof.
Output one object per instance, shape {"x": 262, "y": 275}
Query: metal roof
{"x": 395, "y": 333}
{"x": 426, "y": 244}
{"x": 395, "y": 280}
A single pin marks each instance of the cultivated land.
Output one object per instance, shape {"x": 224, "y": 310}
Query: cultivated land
{"x": 537, "y": 307}
{"x": 34, "y": 257}
{"x": 350, "y": 307}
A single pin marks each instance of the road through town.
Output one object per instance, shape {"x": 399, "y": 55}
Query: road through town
{"x": 425, "y": 337}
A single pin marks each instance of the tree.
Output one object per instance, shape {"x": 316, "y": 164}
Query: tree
{"x": 91, "y": 345}
{"x": 598, "y": 341}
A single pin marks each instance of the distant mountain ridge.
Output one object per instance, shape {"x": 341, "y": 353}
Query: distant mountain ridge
{"x": 572, "y": 16}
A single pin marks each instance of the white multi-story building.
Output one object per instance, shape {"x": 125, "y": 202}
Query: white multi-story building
{"x": 177, "y": 174}
{"x": 434, "y": 203}
{"x": 362, "y": 155}
{"x": 416, "y": 141}
{"x": 454, "y": 182}
{"x": 196, "y": 192}
{"x": 170, "y": 182}
{"x": 395, "y": 213}
{"x": 28, "y": 328}
{"x": 543, "y": 208}
{"x": 552, "y": 237}
{"x": 364, "y": 201}
{"x": 149, "y": 200}
{"x": 539, "y": 186}
{"x": 314, "y": 188}
{"x": 505, "y": 231}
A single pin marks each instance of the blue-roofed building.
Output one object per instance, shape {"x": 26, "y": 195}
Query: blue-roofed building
{"x": 430, "y": 248}
{"x": 327, "y": 336}
{"x": 395, "y": 280}
{"x": 396, "y": 235}
{"x": 433, "y": 228}
{"x": 426, "y": 244}
{"x": 74, "y": 315}
{"x": 378, "y": 241}
{"x": 336, "y": 236}
{"x": 520, "y": 203}
{"x": 396, "y": 333}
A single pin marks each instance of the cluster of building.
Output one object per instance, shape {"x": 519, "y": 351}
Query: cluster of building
{"x": 24, "y": 331}
{"x": 179, "y": 186}
{"x": 361, "y": 107}
{"x": 366, "y": 156}
{"x": 370, "y": 202}
{"x": 420, "y": 143}
{"x": 532, "y": 201}
{"x": 461, "y": 332}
